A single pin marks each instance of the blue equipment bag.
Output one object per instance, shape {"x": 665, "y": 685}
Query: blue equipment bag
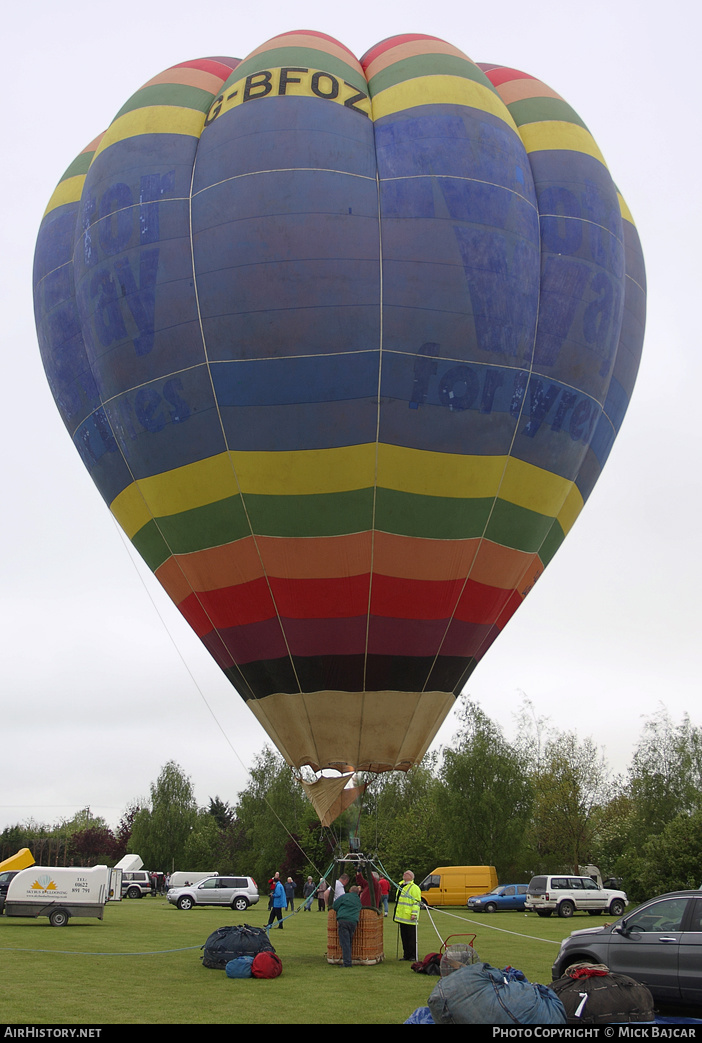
{"x": 240, "y": 967}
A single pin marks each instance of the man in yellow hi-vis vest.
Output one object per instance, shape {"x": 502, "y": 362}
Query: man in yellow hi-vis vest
{"x": 407, "y": 906}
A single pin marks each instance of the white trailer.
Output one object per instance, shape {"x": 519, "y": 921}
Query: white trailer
{"x": 114, "y": 885}
{"x": 58, "y": 892}
{"x": 129, "y": 863}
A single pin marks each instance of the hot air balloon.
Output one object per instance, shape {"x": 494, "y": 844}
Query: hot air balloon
{"x": 344, "y": 346}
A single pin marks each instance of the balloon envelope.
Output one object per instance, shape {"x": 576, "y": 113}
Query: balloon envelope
{"x": 344, "y": 346}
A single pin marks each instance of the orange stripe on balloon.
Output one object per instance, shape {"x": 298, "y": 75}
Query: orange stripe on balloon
{"x": 393, "y": 42}
{"x": 411, "y": 49}
{"x": 402, "y": 557}
{"x": 522, "y": 89}
{"x": 317, "y": 41}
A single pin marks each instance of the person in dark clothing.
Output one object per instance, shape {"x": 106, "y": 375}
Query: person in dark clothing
{"x": 348, "y": 910}
{"x": 290, "y": 894}
{"x": 278, "y": 903}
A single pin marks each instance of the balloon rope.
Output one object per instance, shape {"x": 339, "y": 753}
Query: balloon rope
{"x": 128, "y": 547}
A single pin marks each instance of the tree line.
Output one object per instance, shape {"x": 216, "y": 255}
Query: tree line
{"x": 545, "y": 802}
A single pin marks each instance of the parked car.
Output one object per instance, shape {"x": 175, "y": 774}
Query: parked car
{"x": 566, "y": 894}
{"x": 4, "y": 884}
{"x": 136, "y": 884}
{"x": 658, "y": 944}
{"x": 238, "y": 892}
{"x": 506, "y": 896}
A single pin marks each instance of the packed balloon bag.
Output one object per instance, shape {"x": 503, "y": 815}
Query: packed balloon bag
{"x": 483, "y": 995}
{"x": 227, "y": 943}
{"x": 592, "y": 995}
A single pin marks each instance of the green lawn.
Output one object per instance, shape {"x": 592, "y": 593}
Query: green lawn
{"x": 141, "y": 965}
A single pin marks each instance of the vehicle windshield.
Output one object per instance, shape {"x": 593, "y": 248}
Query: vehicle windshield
{"x": 656, "y": 917}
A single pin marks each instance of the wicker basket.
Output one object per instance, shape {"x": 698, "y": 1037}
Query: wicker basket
{"x": 367, "y": 947}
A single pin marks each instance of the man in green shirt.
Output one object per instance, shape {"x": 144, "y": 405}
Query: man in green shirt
{"x": 348, "y": 909}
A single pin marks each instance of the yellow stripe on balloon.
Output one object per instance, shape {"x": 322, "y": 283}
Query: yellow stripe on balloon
{"x": 571, "y": 508}
{"x": 439, "y": 90}
{"x": 626, "y": 212}
{"x": 450, "y": 475}
{"x": 539, "y": 490}
{"x": 555, "y": 134}
{"x": 182, "y": 489}
{"x": 328, "y": 471}
{"x": 130, "y": 510}
{"x": 306, "y": 472}
{"x": 68, "y": 191}
{"x": 153, "y": 119}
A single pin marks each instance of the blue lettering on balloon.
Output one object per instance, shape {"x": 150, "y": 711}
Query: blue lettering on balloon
{"x": 95, "y": 438}
{"x": 561, "y": 234}
{"x": 109, "y": 323}
{"x": 540, "y": 401}
{"x": 148, "y": 406}
{"x": 599, "y": 319}
{"x": 152, "y": 188}
{"x": 567, "y": 401}
{"x": 529, "y": 398}
{"x": 171, "y": 393}
{"x": 518, "y": 392}
{"x": 579, "y": 420}
{"x": 563, "y": 284}
{"x": 141, "y": 300}
{"x": 116, "y": 218}
{"x": 152, "y": 407}
{"x": 425, "y": 367}
{"x": 87, "y": 217}
{"x": 458, "y": 388}
{"x": 494, "y": 379}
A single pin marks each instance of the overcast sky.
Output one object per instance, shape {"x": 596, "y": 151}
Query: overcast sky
{"x": 101, "y": 680}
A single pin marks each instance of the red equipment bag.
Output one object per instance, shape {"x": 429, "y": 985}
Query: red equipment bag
{"x": 266, "y": 965}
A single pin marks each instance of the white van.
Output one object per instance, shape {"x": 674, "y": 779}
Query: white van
{"x": 58, "y": 892}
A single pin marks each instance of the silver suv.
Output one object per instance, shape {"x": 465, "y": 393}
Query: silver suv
{"x": 238, "y": 892}
{"x": 566, "y": 894}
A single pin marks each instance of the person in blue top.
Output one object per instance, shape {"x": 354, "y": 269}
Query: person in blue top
{"x": 278, "y": 902}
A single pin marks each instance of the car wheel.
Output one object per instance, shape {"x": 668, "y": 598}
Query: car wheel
{"x": 616, "y": 907}
{"x": 544, "y": 912}
{"x": 133, "y": 892}
{"x": 185, "y": 902}
{"x": 490, "y": 907}
{"x": 58, "y": 917}
{"x": 566, "y": 909}
{"x": 240, "y": 904}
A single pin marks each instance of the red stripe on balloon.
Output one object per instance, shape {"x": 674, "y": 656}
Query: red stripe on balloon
{"x": 345, "y": 598}
{"x": 215, "y": 66}
{"x": 498, "y": 74}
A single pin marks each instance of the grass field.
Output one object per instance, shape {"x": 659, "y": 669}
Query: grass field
{"x": 141, "y": 965}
